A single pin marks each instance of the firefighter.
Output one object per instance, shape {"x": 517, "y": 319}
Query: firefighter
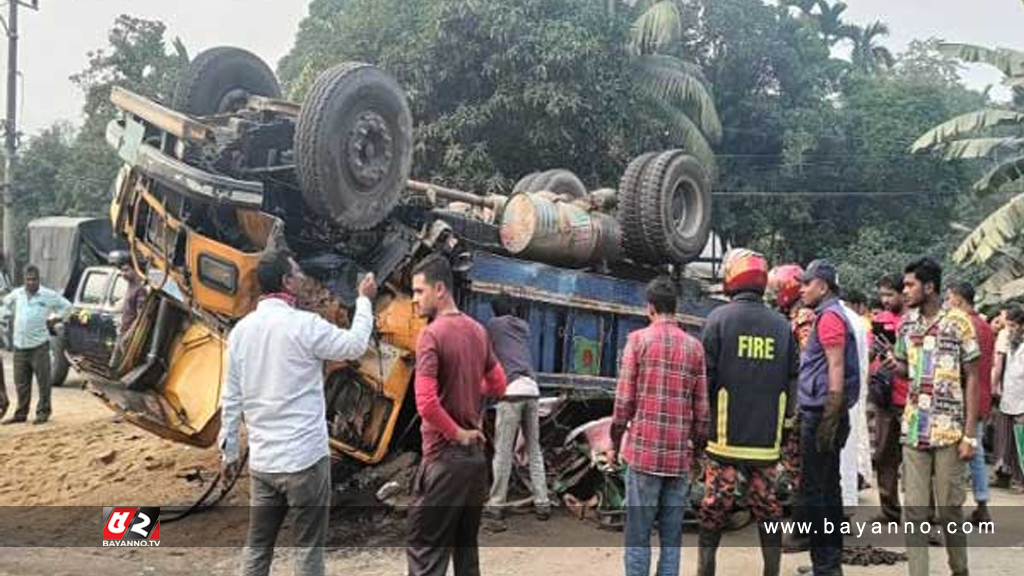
{"x": 752, "y": 363}
{"x": 784, "y": 286}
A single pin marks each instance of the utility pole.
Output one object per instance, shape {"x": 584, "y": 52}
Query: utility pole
{"x": 11, "y": 129}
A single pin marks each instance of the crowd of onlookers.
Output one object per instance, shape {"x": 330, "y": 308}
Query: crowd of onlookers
{"x": 765, "y": 394}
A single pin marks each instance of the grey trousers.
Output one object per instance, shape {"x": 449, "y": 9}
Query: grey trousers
{"x": 940, "y": 470}
{"x": 511, "y": 415}
{"x": 28, "y": 363}
{"x": 308, "y": 492}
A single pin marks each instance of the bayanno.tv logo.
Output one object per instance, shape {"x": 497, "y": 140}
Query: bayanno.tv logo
{"x": 131, "y": 526}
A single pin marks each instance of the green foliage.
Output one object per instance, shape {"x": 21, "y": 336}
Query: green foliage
{"x": 845, "y": 133}
{"x": 64, "y": 171}
{"x": 38, "y": 177}
{"x": 499, "y": 88}
{"x": 995, "y": 134}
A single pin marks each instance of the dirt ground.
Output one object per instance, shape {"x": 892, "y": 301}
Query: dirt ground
{"x": 83, "y": 457}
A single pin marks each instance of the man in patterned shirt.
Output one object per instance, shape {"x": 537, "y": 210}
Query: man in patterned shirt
{"x": 937, "y": 350}
{"x": 662, "y": 397}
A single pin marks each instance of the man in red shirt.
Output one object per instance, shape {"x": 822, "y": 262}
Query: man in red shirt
{"x": 662, "y": 396}
{"x": 829, "y": 386}
{"x": 455, "y": 369}
{"x": 961, "y": 295}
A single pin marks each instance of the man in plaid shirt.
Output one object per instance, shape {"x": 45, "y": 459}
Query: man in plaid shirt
{"x": 662, "y": 397}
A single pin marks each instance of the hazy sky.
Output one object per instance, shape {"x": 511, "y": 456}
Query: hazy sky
{"x": 54, "y": 41}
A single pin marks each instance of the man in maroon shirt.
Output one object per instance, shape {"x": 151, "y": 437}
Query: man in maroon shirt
{"x": 662, "y": 396}
{"x": 961, "y": 295}
{"x": 455, "y": 369}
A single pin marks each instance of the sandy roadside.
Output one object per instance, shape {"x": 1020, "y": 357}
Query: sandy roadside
{"x": 84, "y": 458}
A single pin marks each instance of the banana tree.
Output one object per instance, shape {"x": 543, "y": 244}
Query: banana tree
{"x": 995, "y": 134}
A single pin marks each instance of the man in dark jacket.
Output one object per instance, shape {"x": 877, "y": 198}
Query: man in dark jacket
{"x": 752, "y": 361}
{"x": 829, "y": 385}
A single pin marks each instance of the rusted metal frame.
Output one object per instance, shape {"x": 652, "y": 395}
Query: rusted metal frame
{"x": 161, "y": 117}
{"x": 265, "y": 104}
{"x": 432, "y": 191}
{"x": 171, "y": 171}
{"x": 199, "y": 183}
{"x": 530, "y": 293}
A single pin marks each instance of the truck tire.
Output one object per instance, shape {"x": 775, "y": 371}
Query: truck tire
{"x": 675, "y": 207}
{"x": 59, "y": 365}
{"x": 560, "y": 181}
{"x": 353, "y": 145}
{"x": 219, "y": 80}
{"x": 525, "y": 184}
{"x": 628, "y": 210}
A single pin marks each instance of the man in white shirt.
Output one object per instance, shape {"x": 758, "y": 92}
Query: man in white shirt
{"x": 276, "y": 356}
{"x": 853, "y": 461}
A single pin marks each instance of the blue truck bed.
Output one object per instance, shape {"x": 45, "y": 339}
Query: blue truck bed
{"x": 579, "y": 320}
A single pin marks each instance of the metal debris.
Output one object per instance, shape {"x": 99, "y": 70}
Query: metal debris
{"x": 871, "y": 556}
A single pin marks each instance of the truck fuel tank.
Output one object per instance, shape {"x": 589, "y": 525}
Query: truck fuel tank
{"x": 543, "y": 227}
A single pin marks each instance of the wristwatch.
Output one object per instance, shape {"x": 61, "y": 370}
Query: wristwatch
{"x": 972, "y": 441}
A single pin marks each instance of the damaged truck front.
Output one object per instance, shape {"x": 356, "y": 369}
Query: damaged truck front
{"x": 228, "y": 170}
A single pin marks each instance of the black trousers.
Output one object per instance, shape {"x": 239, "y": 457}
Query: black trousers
{"x": 449, "y": 493}
{"x": 888, "y": 457}
{"x": 821, "y": 494}
{"x": 28, "y": 363}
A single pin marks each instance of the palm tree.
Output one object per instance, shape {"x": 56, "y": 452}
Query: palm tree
{"x": 674, "y": 89}
{"x": 830, "y": 23}
{"x": 869, "y": 56}
{"x": 995, "y": 134}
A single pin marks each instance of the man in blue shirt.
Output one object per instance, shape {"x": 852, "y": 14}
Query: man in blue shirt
{"x": 32, "y": 305}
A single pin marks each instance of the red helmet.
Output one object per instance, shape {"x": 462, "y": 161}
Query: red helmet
{"x": 744, "y": 271}
{"x": 784, "y": 283}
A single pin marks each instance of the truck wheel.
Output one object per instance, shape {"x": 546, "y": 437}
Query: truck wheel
{"x": 628, "y": 209}
{"x": 675, "y": 207}
{"x": 59, "y": 365}
{"x": 560, "y": 181}
{"x": 525, "y": 183}
{"x": 220, "y": 80}
{"x": 353, "y": 145}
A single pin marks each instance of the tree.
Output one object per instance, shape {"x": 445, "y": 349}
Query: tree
{"x": 830, "y": 23}
{"x": 798, "y": 141}
{"x": 502, "y": 88}
{"x": 673, "y": 88}
{"x": 39, "y": 166}
{"x": 68, "y": 171}
{"x": 868, "y": 56}
{"x": 138, "y": 59}
{"x": 991, "y": 133}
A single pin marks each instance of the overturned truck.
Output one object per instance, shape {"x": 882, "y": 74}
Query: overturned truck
{"x": 228, "y": 170}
